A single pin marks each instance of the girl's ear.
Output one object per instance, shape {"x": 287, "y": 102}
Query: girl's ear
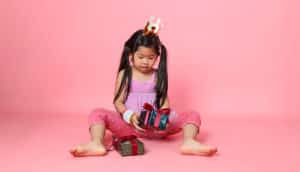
{"x": 156, "y": 63}
{"x": 130, "y": 59}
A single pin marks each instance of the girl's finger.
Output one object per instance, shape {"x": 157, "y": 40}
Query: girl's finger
{"x": 137, "y": 127}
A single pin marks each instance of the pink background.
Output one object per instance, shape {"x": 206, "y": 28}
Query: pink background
{"x": 234, "y": 61}
{"x": 226, "y": 57}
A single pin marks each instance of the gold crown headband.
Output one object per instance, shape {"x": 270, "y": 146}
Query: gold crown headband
{"x": 152, "y": 27}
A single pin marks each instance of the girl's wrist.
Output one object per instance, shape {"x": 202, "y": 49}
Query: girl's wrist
{"x": 127, "y": 115}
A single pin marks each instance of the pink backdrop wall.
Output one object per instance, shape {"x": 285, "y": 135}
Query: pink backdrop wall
{"x": 226, "y": 57}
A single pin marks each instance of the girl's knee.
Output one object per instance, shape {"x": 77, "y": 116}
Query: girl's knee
{"x": 193, "y": 117}
{"x": 97, "y": 116}
{"x": 98, "y": 112}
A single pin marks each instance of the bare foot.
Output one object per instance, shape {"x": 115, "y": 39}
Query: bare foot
{"x": 193, "y": 147}
{"x": 89, "y": 149}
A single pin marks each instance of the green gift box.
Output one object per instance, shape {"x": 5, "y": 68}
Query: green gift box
{"x": 128, "y": 145}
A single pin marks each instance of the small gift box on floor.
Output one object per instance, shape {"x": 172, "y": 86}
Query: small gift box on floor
{"x": 151, "y": 118}
{"x": 128, "y": 145}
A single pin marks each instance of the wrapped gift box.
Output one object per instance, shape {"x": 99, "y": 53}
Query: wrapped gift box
{"x": 128, "y": 145}
{"x": 151, "y": 118}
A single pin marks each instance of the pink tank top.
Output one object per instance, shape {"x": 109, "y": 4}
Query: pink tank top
{"x": 140, "y": 93}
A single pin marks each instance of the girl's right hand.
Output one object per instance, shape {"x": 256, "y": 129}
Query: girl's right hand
{"x": 135, "y": 122}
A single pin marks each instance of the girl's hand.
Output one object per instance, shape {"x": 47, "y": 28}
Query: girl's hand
{"x": 135, "y": 122}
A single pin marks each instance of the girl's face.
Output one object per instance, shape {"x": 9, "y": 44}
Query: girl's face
{"x": 144, "y": 59}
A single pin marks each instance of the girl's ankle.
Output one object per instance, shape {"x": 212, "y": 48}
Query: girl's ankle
{"x": 98, "y": 142}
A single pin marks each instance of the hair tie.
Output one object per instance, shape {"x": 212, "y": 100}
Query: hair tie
{"x": 152, "y": 27}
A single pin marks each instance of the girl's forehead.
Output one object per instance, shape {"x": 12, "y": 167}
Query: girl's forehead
{"x": 145, "y": 51}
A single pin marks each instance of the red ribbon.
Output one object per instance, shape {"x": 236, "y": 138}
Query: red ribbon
{"x": 134, "y": 147}
{"x": 165, "y": 111}
{"x": 131, "y": 138}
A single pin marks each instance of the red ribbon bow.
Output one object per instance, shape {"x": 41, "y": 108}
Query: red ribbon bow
{"x": 148, "y": 107}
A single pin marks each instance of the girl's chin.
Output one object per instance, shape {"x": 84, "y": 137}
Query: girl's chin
{"x": 145, "y": 70}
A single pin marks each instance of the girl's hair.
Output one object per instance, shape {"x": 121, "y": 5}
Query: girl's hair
{"x": 130, "y": 47}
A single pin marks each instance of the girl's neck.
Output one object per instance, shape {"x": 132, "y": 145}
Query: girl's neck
{"x": 138, "y": 75}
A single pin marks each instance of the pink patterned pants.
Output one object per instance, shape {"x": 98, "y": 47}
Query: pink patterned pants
{"x": 113, "y": 121}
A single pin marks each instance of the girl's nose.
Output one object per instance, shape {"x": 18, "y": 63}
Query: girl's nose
{"x": 145, "y": 61}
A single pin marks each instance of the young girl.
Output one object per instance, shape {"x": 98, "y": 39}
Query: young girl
{"x": 142, "y": 77}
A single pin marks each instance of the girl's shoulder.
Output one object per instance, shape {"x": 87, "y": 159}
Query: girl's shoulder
{"x": 119, "y": 78}
{"x": 120, "y": 74}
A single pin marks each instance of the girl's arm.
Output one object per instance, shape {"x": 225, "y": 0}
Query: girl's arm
{"x": 166, "y": 103}
{"x": 119, "y": 103}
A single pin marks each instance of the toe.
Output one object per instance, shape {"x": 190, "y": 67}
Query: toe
{"x": 73, "y": 149}
{"x": 74, "y": 153}
{"x": 214, "y": 150}
{"x": 80, "y": 150}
